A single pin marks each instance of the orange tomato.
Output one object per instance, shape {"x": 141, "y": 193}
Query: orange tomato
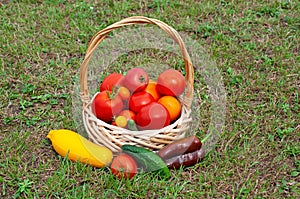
{"x": 172, "y": 105}
{"x": 124, "y": 93}
{"x": 151, "y": 89}
{"x": 128, "y": 114}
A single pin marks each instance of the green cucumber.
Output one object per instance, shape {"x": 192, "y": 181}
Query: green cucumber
{"x": 148, "y": 160}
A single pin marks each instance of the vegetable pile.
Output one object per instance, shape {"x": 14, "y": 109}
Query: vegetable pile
{"x": 133, "y": 159}
{"x": 181, "y": 153}
{"x": 135, "y": 102}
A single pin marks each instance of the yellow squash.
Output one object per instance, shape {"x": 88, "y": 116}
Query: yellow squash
{"x": 79, "y": 148}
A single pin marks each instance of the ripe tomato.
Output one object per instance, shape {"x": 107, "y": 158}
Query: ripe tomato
{"x": 136, "y": 79}
{"x": 172, "y": 105}
{"x": 111, "y": 81}
{"x": 139, "y": 99}
{"x": 105, "y": 106}
{"x": 124, "y": 93}
{"x": 171, "y": 82}
{"x": 123, "y": 166}
{"x": 128, "y": 114}
{"x": 123, "y": 118}
{"x": 152, "y": 116}
{"x": 151, "y": 89}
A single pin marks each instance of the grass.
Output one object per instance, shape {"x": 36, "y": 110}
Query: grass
{"x": 255, "y": 46}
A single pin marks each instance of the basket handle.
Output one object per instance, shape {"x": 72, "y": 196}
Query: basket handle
{"x": 99, "y": 36}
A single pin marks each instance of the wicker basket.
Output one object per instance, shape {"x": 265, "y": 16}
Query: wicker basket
{"x": 114, "y": 137}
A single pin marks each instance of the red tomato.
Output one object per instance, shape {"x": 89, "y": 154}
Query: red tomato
{"x": 105, "y": 106}
{"x": 152, "y": 116}
{"x": 123, "y": 166}
{"x": 171, "y": 82}
{"x": 139, "y": 99}
{"x": 111, "y": 81}
{"x": 136, "y": 79}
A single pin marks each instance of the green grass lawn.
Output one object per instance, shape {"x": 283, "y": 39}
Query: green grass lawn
{"x": 255, "y": 46}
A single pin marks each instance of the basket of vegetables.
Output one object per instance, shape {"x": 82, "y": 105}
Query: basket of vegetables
{"x": 130, "y": 108}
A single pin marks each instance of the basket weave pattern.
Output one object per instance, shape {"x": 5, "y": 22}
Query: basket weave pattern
{"x": 114, "y": 137}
